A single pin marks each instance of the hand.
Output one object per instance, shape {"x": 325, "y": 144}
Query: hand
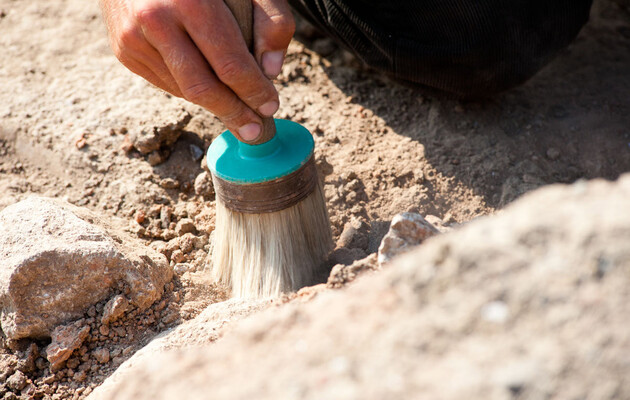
{"x": 195, "y": 50}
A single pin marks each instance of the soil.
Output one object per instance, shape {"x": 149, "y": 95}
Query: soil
{"x": 69, "y": 115}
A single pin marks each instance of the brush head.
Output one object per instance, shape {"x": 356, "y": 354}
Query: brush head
{"x": 266, "y": 177}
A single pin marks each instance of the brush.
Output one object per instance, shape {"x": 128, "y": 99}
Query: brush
{"x": 272, "y": 231}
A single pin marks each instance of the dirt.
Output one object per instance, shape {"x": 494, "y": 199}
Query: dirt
{"x": 69, "y": 113}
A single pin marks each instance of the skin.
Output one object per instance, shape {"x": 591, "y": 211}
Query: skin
{"x": 194, "y": 49}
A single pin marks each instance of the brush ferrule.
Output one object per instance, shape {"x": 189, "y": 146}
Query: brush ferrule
{"x": 269, "y": 196}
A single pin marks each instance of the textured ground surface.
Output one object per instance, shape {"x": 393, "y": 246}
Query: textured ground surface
{"x": 67, "y": 106}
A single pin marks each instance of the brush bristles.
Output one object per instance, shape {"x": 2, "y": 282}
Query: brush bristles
{"x": 263, "y": 255}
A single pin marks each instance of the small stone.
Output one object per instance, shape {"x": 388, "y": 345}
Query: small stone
{"x": 181, "y": 268}
{"x": 166, "y": 214}
{"x": 203, "y": 185}
{"x": 195, "y": 152}
{"x": 103, "y": 330}
{"x": 155, "y": 157}
{"x": 177, "y": 256}
{"x": 101, "y": 355}
{"x": 80, "y": 376}
{"x": 354, "y": 235}
{"x": 127, "y": 350}
{"x": 73, "y": 363}
{"x": 169, "y": 183}
{"x": 65, "y": 339}
{"x": 406, "y": 231}
{"x": 17, "y": 381}
{"x": 114, "y": 309}
{"x": 140, "y": 218}
{"x": 185, "y": 225}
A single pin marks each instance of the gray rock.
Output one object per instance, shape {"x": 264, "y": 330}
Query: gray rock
{"x": 416, "y": 330}
{"x": 65, "y": 340}
{"x": 406, "y": 231}
{"x": 57, "y": 260}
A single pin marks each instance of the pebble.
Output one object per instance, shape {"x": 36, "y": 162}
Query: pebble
{"x": 185, "y": 225}
{"x": 17, "y": 381}
{"x": 203, "y": 185}
{"x": 195, "y": 152}
{"x": 114, "y": 309}
{"x": 101, "y": 355}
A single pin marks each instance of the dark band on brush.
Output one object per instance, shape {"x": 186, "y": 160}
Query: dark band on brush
{"x": 271, "y": 196}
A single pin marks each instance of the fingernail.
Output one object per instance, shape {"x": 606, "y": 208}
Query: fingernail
{"x": 268, "y": 109}
{"x": 249, "y": 132}
{"x": 272, "y": 63}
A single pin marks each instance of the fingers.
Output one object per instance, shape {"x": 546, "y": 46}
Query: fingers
{"x": 195, "y": 50}
{"x": 193, "y": 75}
{"x": 274, "y": 27}
{"x": 224, "y": 48}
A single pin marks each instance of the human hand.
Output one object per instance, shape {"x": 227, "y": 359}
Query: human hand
{"x": 195, "y": 50}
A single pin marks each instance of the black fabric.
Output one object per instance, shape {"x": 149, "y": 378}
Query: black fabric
{"x": 466, "y": 47}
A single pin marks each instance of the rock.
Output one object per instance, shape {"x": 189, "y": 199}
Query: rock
{"x": 203, "y": 185}
{"x": 157, "y": 157}
{"x": 195, "y": 152}
{"x": 7, "y": 366}
{"x": 185, "y": 225}
{"x": 17, "y": 381}
{"x": 354, "y": 235}
{"x": 114, "y": 309}
{"x": 416, "y": 330}
{"x": 101, "y": 355}
{"x": 65, "y": 340}
{"x": 342, "y": 274}
{"x": 406, "y": 231}
{"x": 163, "y": 130}
{"x": 57, "y": 260}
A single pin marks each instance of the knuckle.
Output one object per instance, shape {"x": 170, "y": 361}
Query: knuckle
{"x": 151, "y": 17}
{"x": 201, "y": 93}
{"x": 232, "y": 70}
{"x": 129, "y": 36}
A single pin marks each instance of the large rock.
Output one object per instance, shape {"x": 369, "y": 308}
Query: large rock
{"x": 531, "y": 303}
{"x": 55, "y": 262}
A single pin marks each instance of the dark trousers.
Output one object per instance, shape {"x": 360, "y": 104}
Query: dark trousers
{"x": 466, "y": 47}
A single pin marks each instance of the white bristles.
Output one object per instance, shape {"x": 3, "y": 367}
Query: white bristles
{"x": 263, "y": 255}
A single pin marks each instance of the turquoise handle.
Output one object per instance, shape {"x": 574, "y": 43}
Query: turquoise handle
{"x": 241, "y": 163}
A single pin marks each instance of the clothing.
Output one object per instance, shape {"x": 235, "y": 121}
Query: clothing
{"x": 466, "y": 47}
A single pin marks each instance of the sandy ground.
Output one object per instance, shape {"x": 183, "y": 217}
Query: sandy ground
{"x": 67, "y": 106}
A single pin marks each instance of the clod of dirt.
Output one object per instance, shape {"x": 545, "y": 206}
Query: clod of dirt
{"x": 406, "y": 231}
{"x": 341, "y": 275}
{"x": 65, "y": 340}
{"x": 114, "y": 309}
{"x": 163, "y": 130}
{"x": 203, "y": 185}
